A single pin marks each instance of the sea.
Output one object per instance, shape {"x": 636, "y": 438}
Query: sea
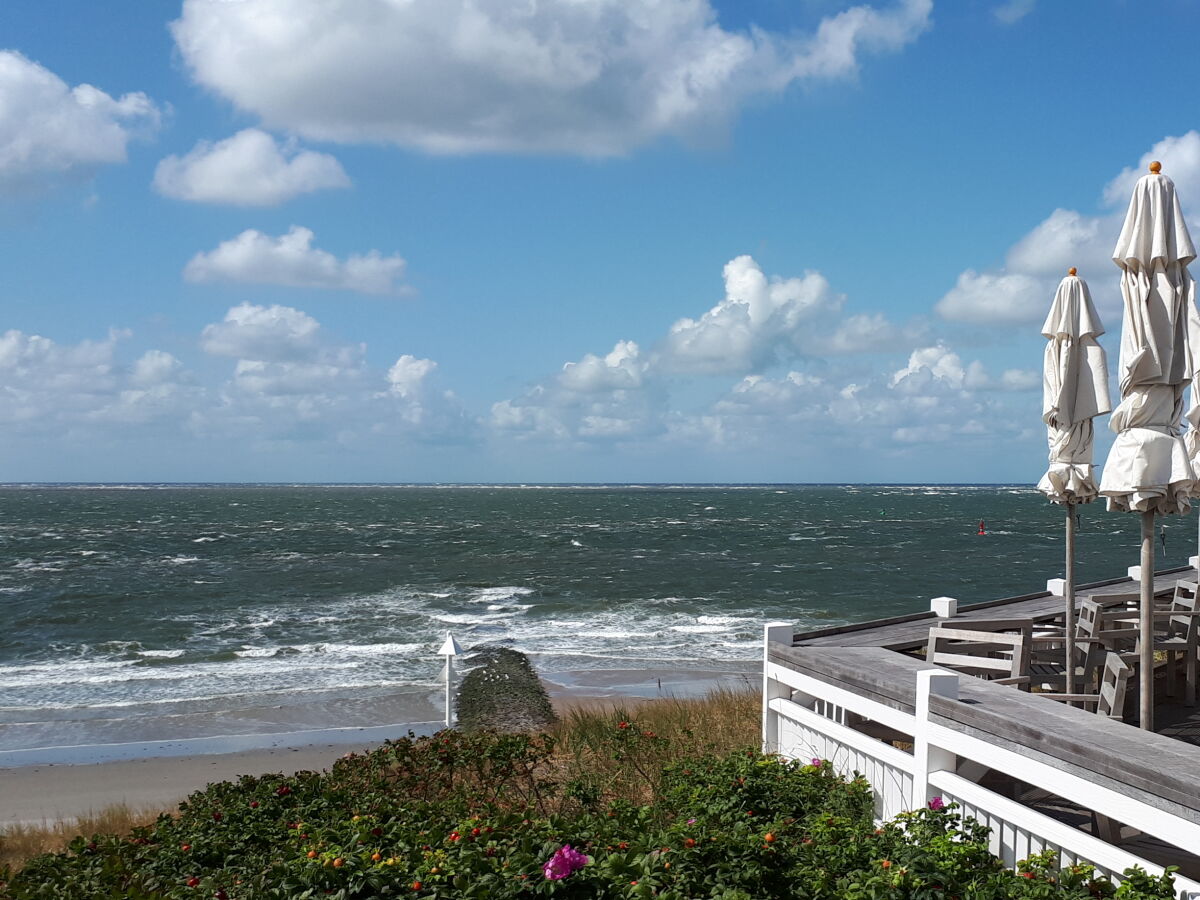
{"x": 179, "y": 614}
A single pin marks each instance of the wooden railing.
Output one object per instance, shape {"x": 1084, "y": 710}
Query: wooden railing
{"x": 833, "y": 703}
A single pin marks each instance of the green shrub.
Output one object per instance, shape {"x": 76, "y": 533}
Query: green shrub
{"x": 479, "y": 816}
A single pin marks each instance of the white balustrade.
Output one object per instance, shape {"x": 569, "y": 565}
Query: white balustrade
{"x": 805, "y": 717}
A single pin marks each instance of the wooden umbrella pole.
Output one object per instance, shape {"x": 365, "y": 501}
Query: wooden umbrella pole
{"x": 1069, "y": 620}
{"x": 1146, "y": 622}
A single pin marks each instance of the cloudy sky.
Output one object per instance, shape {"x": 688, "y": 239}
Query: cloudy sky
{"x": 562, "y": 240}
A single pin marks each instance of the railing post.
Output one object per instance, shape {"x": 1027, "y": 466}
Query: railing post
{"x": 927, "y": 758}
{"x": 779, "y": 632}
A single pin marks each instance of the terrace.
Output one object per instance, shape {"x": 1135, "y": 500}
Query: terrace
{"x": 1043, "y": 775}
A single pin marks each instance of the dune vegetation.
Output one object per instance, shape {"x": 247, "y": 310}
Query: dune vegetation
{"x": 668, "y": 799}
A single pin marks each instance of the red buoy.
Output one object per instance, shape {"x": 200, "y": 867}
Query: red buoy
{"x": 981, "y": 528}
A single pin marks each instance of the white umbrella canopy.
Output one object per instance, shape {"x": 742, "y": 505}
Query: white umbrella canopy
{"x": 1074, "y": 391}
{"x": 1148, "y": 469}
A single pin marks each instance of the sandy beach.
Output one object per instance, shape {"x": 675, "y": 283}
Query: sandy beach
{"x": 59, "y": 783}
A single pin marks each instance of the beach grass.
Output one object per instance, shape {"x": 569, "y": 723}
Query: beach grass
{"x": 25, "y": 841}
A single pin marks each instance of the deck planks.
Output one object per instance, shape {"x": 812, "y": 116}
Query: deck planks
{"x": 912, "y": 631}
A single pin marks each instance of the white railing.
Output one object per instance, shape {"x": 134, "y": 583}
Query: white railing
{"x": 805, "y": 716}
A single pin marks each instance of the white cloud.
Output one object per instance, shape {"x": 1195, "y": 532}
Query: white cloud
{"x": 1064, "y": 239}
{"x": 1021, "y": 291}
{"x": 290, "y": 259}
{"x": 929, "y": 365}
{"x": 870, "y": 333}
{"x": 293, "y": 381}
{"x": 48, "y": 128}
{"x": 47, "y": 388}
{"x": 609, "y": 397}
{"x": 984, "y": 298}
{"x": 155, "y": 367}
{"x": 622, "y": 368}
{"x": 1012, "y": 11}
{"x": 758, "y": 320}
{"x": 248, "y": 169}
{"x": 272, "y": 333}
{"x": 1180, "y": 158}
{"x": 408, "y": 375}
{"x": 590, "y": 77}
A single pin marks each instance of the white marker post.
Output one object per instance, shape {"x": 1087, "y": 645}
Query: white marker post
{"x": 450, "y": 649}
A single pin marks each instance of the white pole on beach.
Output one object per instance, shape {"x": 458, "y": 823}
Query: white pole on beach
{"x": 450, "y": 649}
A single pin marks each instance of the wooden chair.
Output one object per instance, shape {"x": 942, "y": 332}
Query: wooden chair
{"x": 1180, "y": 636}
{"x": 1109, "y": 699}
{"x": 1099, "y": 627}
{"x": 999, "y": 656}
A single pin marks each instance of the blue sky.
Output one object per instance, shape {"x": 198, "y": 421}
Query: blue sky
{"x": 613, "y": 240}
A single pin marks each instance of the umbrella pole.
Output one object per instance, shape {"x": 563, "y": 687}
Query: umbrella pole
{"x": 1146, "y": 622}
{"x": 1069, "y": 618}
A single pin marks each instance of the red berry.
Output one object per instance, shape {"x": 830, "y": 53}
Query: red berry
{"x": 217, "y": 817}
{"x": 254, "y": 804}
{"x": 193, "y": 881}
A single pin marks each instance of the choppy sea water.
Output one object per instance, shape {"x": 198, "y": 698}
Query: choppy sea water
{"x": 159, "y": 612}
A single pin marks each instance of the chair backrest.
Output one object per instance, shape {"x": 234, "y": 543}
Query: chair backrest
{"x": 1186, "y": 600}
{"x": 1112, "y": 687}
{"x": 986, "y": 654}
{"x": 1130, "y": 599}
{"x": 1108, "y": 625}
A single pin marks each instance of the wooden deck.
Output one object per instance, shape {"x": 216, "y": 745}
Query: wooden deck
{"x": 912, "y": 631}
{"x": 1131, "y": 768}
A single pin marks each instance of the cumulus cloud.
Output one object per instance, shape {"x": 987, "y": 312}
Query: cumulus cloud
{"x": 984, "y": 298}
{"x": 590, "y": 77}
{"x": 248, "y": 169}
{"x": 274, "y": 333}
{"x": 52, "y": 388}
{"x": 610, "y": 397}
{"x": 934, "y": 396}
{"x": 1020, "y": 292}
{"x": 1180, "y": 156}
{"x": 291, "y": 380}
{"x": 1013, "y": 11}
{"x": 757, "y": 320}
{"x": 622, "y": 368}
{"x": 291, "y": 259}
{"x": 761, "y": 323}
{"x": 49, "y": 129}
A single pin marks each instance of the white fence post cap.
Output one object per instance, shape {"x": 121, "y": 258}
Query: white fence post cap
{"x": 450, "y": 647}
{"x": 944, "y": 607}
{"x": 1135, "y": 572}
{"x": 1194, "y": 562}
{"x": 1056, "y": 586}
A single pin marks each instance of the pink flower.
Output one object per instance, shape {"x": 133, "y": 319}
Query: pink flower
{"x": 817, "y": 762}
{"x": 564, "y": 862}
{"x": 691, "y": 821}
{"x": 937, "y": 803}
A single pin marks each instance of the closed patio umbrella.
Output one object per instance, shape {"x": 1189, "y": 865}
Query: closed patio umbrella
{"x": 1148, "y": 470}
{"x": 1074, "y": 392}
{"x": 1192, "y": 438}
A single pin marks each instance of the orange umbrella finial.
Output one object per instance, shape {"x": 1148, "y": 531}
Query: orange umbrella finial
{"x": 1072, "y": 270}
{"x": 1156, "y": 167}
